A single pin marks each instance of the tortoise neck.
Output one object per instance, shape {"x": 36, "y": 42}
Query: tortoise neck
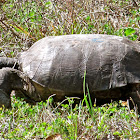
{"x": 8, "y": 62}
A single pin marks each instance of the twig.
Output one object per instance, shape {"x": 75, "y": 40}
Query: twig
{"x": 64, "y": 101}
{"x": 12, "y": 30}
{"x": 135, "y": 4}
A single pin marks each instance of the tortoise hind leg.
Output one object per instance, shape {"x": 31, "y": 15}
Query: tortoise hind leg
{"x": 135, "y": 95}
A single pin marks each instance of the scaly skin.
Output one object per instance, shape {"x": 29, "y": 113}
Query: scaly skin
{"x": 8, "y": 62}
{"x": 9, "y": 79}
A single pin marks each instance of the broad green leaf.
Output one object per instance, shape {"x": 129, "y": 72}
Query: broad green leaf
{"x": 129, "y": 31}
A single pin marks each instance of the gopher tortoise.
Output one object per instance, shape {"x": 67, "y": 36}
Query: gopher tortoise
{"x": 56, "y": 65}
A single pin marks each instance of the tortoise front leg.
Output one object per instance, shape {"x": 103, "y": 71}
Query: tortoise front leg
{"x": 5, "y": 100}
{"x": 9, "y": 80}
{"x": 12, "y": 79}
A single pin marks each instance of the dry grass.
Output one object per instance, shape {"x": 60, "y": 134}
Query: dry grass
{"x": 24, "y": 22}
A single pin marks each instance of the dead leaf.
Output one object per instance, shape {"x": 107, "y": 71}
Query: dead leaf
{"x": 54, "y": 137}
{"x": 124, "y": 103}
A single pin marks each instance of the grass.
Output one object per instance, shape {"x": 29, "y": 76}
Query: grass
{"x": 42, "y": 120}
{"x": 24, "y": 22}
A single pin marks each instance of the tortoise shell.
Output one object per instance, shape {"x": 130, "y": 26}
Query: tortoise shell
{"x": 59, "y": 62}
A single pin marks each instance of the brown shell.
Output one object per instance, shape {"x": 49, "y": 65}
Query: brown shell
{"x": 60, "y": 62}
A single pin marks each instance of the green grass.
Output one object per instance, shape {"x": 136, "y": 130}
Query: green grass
{"x": 24, "y": 22}
{"x": 42, "y": 120}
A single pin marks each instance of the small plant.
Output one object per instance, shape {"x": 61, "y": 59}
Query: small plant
{"x": 87, "y": 96}
{"x": 129, "y": 32}
{"x": 42, "y": 120}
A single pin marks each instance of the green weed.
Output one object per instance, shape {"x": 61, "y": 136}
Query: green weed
{"x": 24, "y": 121}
